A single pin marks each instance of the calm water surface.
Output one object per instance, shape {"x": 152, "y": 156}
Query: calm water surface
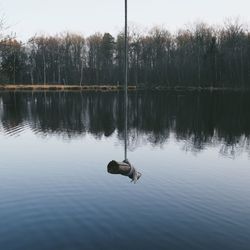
{"x": 193, "y": 150}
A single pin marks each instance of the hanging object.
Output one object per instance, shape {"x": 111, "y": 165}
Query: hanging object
{"x": 124, "y": 168}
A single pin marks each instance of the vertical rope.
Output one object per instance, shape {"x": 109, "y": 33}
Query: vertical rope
{"x": 126, "y": 81}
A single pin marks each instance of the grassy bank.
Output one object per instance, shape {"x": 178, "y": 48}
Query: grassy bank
{"x": 61, "y": 87}
{"x": 48, "y": 87}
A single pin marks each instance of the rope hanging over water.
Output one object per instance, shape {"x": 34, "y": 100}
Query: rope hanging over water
{"x": 126, "y": 83}
{"x": 125, "y": 168}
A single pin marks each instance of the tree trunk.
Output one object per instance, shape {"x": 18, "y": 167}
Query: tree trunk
{"x": 44, "y": 69}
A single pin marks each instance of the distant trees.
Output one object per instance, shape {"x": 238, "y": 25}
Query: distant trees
{"x": 13, "y": 60}
{"x": 198, "y": 57}
{"x": 56, "y": 59}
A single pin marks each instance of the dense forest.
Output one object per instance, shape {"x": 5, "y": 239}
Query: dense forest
{"x": 202, "y": 56}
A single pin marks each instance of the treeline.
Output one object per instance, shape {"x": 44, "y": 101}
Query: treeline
{"x": 203, "y": 56}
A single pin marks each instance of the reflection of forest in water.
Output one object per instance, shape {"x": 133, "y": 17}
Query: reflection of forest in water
{"x": 199, "y": 119}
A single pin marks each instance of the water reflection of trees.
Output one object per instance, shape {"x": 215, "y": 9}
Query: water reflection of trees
{"x": 199, "y": 119}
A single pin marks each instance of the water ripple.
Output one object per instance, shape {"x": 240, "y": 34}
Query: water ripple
{"x": 15, "y": 131}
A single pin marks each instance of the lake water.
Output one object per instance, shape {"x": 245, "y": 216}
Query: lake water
{"x": 193, "y": 150}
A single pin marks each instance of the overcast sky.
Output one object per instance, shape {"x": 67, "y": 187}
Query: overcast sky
{"x": 28, "y": 17}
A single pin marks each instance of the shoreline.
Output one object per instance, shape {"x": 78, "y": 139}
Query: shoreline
{"x": 61, "y": 87}
{"x": 107, "y": 88}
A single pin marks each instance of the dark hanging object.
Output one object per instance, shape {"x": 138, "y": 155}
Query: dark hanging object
{"x": 124, "y": 168}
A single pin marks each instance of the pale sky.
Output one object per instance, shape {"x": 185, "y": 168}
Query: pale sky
{"x": 30, "y": 17}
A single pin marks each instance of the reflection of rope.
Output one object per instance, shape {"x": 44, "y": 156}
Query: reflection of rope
{"x": 126, "y": 83}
